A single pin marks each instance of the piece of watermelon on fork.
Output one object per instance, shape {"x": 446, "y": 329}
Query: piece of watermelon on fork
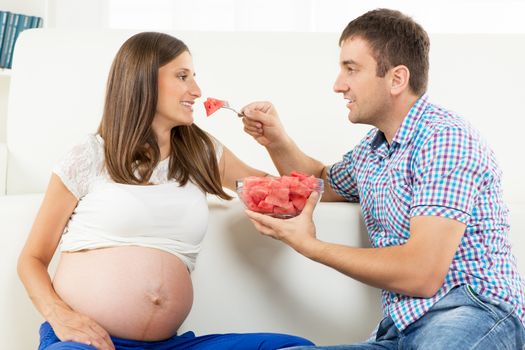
{"x": 212, "y": 105}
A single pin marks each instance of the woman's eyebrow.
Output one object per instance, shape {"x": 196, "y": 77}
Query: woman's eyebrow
{"x": 185, "y": 70}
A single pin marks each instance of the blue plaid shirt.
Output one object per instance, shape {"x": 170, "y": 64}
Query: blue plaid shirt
{"x": 436, "y": 165}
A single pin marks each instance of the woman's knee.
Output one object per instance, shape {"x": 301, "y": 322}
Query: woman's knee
{"x": 69, "y": 345}
{"x": 278, "y": 341}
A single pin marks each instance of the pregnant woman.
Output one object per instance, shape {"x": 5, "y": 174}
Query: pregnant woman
{"x": 127, "y": 209}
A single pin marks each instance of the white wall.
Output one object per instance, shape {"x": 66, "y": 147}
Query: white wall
{"x": 4, "y": 91}
{"x": 27, "y": 7}
{"x": 437, "y": 16}
{"x": 76, "y": 13}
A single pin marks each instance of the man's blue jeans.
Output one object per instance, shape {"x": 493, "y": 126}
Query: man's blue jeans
{"x": 461, "y": 320}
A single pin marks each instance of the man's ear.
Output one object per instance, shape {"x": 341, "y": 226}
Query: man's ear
{"x": 400, "y": 76}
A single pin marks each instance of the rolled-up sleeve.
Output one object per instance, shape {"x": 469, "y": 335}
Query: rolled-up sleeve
{"x": 341, "y": 177}
{"x": 448, "y": 175}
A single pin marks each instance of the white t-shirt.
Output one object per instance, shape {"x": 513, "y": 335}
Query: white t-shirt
{"x": 164, "y": 215}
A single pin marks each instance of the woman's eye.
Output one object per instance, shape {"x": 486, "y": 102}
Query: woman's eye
{"x": 182, "y": 77}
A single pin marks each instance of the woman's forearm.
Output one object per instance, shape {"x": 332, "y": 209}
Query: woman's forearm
{"x": 37, "y": 282}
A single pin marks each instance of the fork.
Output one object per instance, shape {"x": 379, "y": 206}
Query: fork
{"x": 227, "y": 106}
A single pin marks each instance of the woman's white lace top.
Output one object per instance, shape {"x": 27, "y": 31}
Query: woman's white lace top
{"x": 164, "y": 215}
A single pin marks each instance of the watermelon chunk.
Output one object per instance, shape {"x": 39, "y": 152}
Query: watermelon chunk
{"x": 282, "y": 197}
{"x": 278, "y": 196}
{"x": 287, "y": 209}
{"x": 298, "y": 201}
{"x": 212, "y": 105}
{"x": 265, "y": 207}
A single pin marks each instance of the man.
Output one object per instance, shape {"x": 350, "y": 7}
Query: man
{"x": 430, "y": 192}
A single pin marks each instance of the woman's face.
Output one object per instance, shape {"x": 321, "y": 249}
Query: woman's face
{"x": 177, "y": 92}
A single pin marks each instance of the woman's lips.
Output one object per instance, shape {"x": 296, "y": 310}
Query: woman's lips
{"x": 187, "y": 104}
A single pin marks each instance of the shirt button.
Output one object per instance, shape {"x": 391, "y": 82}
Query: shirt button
{"x": 395, "y": 299}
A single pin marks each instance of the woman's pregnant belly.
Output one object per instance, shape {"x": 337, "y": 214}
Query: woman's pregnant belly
{"x": 133, "y": 292}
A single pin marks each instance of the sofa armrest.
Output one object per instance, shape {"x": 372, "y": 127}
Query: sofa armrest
{"x": 19, "y": 320}
{"x": 3, "y": 168}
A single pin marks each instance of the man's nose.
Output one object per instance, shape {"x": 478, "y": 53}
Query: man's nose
{"x": 340, "y": 86}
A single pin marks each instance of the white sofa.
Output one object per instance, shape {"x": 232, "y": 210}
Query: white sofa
{"x": 243, "y": 281}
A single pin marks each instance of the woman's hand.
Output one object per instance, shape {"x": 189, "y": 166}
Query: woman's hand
{"x": 298, "y": 232}
{"x": 262, "y": 122}
{"x": 70, "y": 325}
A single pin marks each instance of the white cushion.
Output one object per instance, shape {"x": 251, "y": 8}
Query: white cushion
{"x": 58, "y": 82}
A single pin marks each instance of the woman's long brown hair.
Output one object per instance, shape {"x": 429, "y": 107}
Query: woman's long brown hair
{"x": 130, "y": 146}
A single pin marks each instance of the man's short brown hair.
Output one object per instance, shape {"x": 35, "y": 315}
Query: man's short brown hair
{"x": 395, "y": 39}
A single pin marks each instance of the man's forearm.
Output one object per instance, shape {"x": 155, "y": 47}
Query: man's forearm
{"x": 396, "y": 268}
{"x": 288, "y": 157}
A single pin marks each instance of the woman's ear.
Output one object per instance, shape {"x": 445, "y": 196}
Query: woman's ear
{"x": 400, "y": 76}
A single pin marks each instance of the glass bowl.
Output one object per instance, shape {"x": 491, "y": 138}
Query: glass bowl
{"x": 282, "y": 197}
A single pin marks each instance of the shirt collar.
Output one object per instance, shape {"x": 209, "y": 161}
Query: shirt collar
{"x": 404, "y": 133}
{"x": 406, "y": 130}
{"x": 378, "y": 140}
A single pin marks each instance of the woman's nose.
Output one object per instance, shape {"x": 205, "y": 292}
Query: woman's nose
{"x": 196, "y": 90}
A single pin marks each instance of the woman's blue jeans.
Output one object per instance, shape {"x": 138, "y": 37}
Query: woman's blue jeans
{"x": 186, "y": 341}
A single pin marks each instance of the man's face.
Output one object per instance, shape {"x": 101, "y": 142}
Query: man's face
{"x": 366, "y": 93}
